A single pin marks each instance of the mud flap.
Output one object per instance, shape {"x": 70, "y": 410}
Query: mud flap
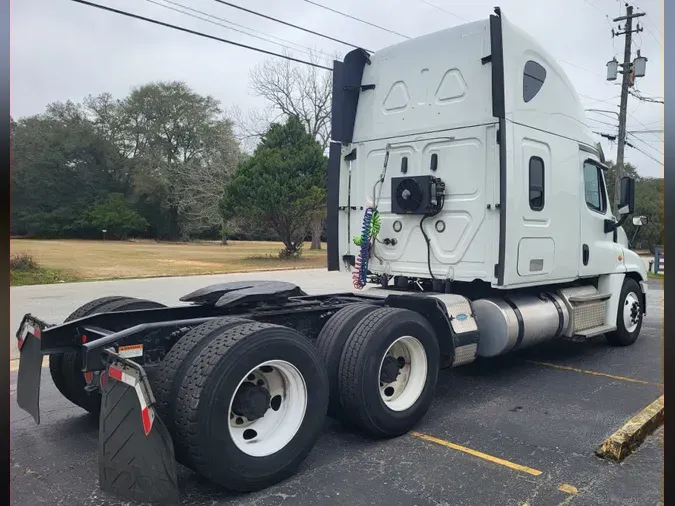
{"x": 30, "y": 374}
{"x": 136, "y": 455}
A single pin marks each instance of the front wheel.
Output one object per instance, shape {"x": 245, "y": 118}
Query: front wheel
{"x": 628, "y": 316}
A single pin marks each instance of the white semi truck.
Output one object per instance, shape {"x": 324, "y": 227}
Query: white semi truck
{"x": 468, "y": 201}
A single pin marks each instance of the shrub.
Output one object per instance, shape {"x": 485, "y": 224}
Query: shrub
{"x": 22, "y": 262}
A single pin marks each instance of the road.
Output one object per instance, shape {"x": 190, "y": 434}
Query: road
{"x": 516, "y": 430}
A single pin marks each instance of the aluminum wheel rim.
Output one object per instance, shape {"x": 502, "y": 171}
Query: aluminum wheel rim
{"x": 277, "y": 427}
{"x": 631, "y": 312}
{"x": 403, "y": 392}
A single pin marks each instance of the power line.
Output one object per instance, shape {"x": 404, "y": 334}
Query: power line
{"x": 581, "y": 68}
{"x": 653, "y": 24}
{"x": 199, "y": 34}
{"x": 644, "y": 153}
{"x": 603, "y": 122}
{"x": 229, "y": 27}
{"x": 240, "y": 26}
{"x": 444, "y": 10}
{"x": 593, "y": 100}
{"x": 357, "y": 19}
{"x": 637, "y": 94}
{"x": 276, "y": 20}
{"x": 646, "y": 144}
{"x": 654, "y": 131}
{"x": 641, "y": 124}
{"x": 595, "y": 7}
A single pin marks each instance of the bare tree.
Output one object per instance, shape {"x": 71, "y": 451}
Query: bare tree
{"x": 291, "y": 89}
{"x": 203, "y": 179}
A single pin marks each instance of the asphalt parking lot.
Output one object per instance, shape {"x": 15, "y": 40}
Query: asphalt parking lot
{"x": 516, "y": 430}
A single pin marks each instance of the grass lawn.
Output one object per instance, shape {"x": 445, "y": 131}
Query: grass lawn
{"x": 69, "y": 260}
{"x": 651, "y": 275}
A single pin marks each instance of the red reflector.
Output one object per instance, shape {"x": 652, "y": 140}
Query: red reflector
{"x": 20, "y": 343}
{"x": 37, "y": 333}
{"x": 84, "y": 338}
{"x": 115, "y": 373}
{"x": 88, "y": 377}
{"x": 147, "y": 425}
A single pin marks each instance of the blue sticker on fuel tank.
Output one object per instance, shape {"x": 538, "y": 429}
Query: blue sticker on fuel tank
{"x": 461, "y": 317}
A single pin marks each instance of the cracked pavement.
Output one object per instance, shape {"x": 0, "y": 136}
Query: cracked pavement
{"x": 514, "y": 407}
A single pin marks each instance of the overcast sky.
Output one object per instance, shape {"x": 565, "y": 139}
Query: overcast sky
{"x": 63, "y": 50}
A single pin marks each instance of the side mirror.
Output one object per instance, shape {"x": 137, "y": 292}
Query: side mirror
{"x": 627, "y": 201}
{"x": 639, "y": 221}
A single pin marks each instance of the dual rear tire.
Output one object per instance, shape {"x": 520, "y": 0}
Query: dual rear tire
{"x": 245, "y": 402}
{"x": 383, "y": 367}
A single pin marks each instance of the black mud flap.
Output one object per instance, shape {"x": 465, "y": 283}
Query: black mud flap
{"x": 30, "y": 374}
{"x": 136, "y": 455}
{"x": 30, "y": 365}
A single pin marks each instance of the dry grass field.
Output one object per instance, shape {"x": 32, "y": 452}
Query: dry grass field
{"x": 90, "y": 260}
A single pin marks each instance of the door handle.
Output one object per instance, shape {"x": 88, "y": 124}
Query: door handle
{"x": 585, "y": 254}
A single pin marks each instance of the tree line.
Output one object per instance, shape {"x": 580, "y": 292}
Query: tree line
{"x": 168, "y": 163}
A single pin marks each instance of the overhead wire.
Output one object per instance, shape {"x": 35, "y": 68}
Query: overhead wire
{"x": 652, "y": 23}
{"x": 641, "y": 123}
{"x": 199, "y": 34}
{"x": 307, "y": 51}
{"x": 603, "y": 122}
{"x": 646, "y": 143}
{"x": 356, "y": 19}
{"x": 644, "y": 153}
{"x": 277, "y": 20}
{"x": 444, "y": 10}
{"x": 263, "y": 36}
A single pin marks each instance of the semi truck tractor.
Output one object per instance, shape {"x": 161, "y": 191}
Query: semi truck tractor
{"x": 467, "y": 200}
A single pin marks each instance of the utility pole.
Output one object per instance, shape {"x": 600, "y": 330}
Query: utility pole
{"x": 629, "y": 73}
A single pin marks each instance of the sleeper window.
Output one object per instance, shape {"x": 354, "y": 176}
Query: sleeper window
{"x": 536, "y": 183}
{"x": 594, "y": 187}
{"x": 534, "y": 76}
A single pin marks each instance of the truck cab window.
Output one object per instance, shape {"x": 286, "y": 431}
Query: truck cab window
{"x": 594, "y": 188}
{"x": 536, "y": 183}
{"x": 534, "y": 76}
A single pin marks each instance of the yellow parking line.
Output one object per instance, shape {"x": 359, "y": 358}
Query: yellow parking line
{"x": 14, "y": 363}
{"x": 568, "y": 489}
{"x": 595, "y": 373}
{"x": 475, "y": 453}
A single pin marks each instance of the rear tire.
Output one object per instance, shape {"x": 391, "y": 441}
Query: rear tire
{"x": 172, "y": 369}
{"x": 331, "y": 342}
{"x": 388, "y": 371}
{"x": 260, "y": 355}
{"x": 72, "y": 377}
{"x": 628, "y": 316}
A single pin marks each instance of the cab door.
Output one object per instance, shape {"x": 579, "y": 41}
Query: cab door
{"x": 600, "y": 254}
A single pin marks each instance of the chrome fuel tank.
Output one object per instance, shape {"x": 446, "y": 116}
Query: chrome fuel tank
{"x": 517, "y": 321}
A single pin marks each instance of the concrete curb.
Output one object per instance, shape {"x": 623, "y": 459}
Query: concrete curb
{"x": 626, "y": 440}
